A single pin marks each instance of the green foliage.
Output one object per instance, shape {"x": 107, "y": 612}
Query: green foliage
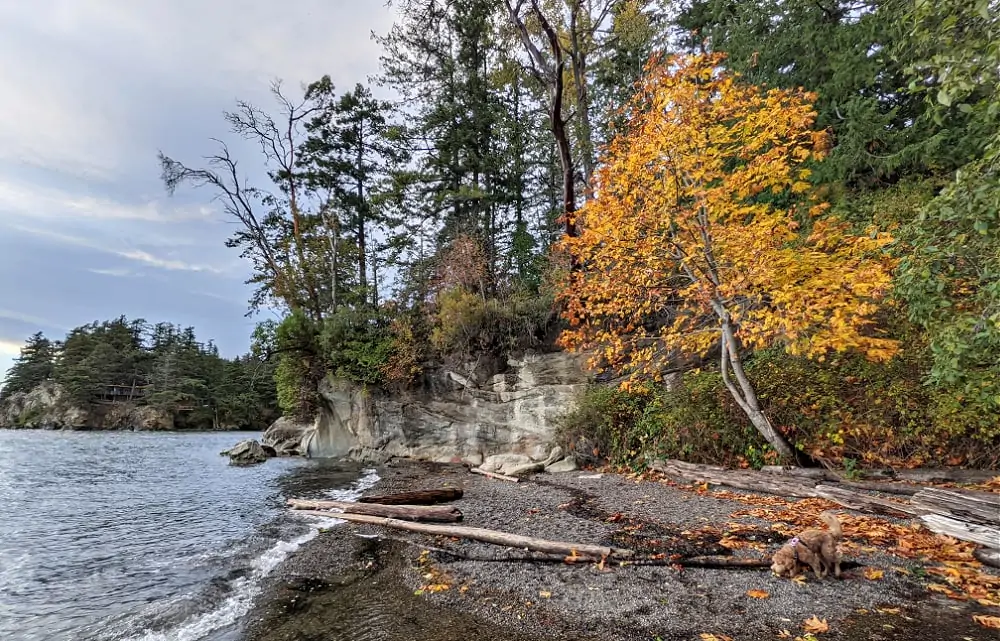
{"x": 166, "y": 366}
{"x": 358, "y": 344}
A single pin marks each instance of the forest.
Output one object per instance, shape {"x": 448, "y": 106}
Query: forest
{"x": 774, "y": 224}
{"x": 160, "y": 365}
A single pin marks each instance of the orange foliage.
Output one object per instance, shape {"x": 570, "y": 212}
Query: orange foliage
{"x": 702, "y": 215}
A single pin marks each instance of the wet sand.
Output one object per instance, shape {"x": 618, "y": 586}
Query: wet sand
{"x": 360, "y": 583}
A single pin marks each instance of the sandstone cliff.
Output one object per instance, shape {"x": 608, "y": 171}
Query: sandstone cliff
{"x": 449, "y": 414}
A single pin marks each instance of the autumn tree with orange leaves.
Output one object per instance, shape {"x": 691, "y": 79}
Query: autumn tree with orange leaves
{"x": 703, "y": 235}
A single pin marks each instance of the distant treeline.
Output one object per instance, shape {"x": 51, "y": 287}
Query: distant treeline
{"x": 160, "y": 365}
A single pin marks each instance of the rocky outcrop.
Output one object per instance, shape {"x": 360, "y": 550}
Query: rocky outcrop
{"x": 248, "y": 452}
{"x": 467, "y": 415}
{"x": 287, "y": 437}
{"x": 48, "y": 407}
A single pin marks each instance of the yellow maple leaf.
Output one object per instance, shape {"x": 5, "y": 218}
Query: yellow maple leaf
{"x": 758, "y": 594}
{"x": 873, "y": 575}
{"x": 987, "y": 621}
{"x": 815, "y": 625}
{"x": 714, "y": 637}
{"x": 545, "y": 594}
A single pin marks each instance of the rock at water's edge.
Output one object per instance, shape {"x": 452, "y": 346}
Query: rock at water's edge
{"x": 247, "y": 452}
{"x": 287, "y": 437}
{"x": 567, "y": 464}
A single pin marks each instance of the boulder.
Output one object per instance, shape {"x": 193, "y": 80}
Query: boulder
{"x": 567, "y": 464}
{"x": 248, "y": 452}
{"x": 501, "y": 463}
{"x": 287, "y": 437}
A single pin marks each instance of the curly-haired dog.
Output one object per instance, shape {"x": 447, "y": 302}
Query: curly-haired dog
{"x": 812, "y": 548}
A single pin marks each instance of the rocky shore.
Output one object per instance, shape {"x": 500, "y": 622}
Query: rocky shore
{"x": 364, "y": 582}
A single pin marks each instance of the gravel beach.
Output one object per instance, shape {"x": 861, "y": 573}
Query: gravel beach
{"x": 362, "y": 582}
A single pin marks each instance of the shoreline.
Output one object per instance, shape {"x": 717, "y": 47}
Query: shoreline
{"x": 359, "y": 581}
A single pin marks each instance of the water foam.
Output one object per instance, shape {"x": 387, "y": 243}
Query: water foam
{"x": 247, "y": 589}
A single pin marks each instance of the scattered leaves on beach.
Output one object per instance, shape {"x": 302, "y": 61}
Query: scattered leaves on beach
{"x": 758, "y": 594}
{"x": 987, "y": 621}
{"x": 815, "y": 625}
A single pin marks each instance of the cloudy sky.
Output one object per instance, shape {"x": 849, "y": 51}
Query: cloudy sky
{"x": 90, "y": 90}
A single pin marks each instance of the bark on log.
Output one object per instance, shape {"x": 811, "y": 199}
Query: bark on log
{"x": 495, "y": 475}
{"x": 866, "y": 502}
{"x": 888, "y": 487}
{"x": 977, "y": 507}
{"x": 418, "y": 497}
{"x": 982, "y": 534}
{"x": 941, "y": 475}
{"x": 495, "y": 537}
{"x": 432, "y": 513}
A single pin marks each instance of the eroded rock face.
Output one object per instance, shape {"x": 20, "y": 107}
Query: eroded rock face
{"x": 288, "y": 437}
{"x": 452, "y": 414}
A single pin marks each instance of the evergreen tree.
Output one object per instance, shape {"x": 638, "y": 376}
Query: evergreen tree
{"x": 33, "y": 367}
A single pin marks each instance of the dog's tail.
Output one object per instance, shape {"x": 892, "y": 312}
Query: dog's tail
{"x": 833, "y": 523}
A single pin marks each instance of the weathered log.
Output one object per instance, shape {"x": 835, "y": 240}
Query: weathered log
{"x": 494, "y": 537}
{"x": 433, "y": 513}
{"x": 982, "y": 534}
{"x": 987, "y": 556}
{"x": 866, "y": 502}
{"x": 888, "y": 487}
{"x": 495, "y": 475}
{"x": 801, "y": 472}
{"x": 940, "y": 475}
{"x": 741, "y": 479}
{"x": 526, "y": 469}
{"x": 977, "y": 507}
{"x": 418, "y": 497}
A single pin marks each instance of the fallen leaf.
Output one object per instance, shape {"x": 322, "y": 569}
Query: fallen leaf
{"x": 873, "y": 575}
{"x": 889, "y": 610}
{"x": 545, "y": 594}
{"x": 784, "y": 634}
{"x": 987, "y": 621}
{"x": 758, "y": 594}
{"x": 714, "y": 637}
{"x": 816, "y": 625}
{"x": 800, "y": 579}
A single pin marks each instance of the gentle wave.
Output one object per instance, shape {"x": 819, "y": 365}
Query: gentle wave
{"x": 247, "y": 589}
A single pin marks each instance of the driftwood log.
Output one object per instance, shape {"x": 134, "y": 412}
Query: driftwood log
{"x": 988, "y": 557}
{"x": 867, "y": 503}
{"x": 495, "y": 475}
{"x": 977, "y": 507}
{"x": 431, "y": 513}
{"x": 418, "y": 497}
{"x": 984, "y": 535}
{"x": 741, "y": 479}
{"x": 494, "y": 537}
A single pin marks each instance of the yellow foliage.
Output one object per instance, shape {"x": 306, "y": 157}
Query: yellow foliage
{"x": 702, "y": 213}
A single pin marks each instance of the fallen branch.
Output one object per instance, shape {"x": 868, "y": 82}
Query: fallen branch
{"x": 494, "y": 537}
{"x": 435, "y": 513}
{"x": 418, "y": 497}
{"x": 495, "y": 475}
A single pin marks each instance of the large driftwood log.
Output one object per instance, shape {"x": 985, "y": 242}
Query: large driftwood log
{"x": 988, "y": 557}
{"x": 741, "y": 479}
{"x": 866, "y": 502}
{"x": 418, "y": 497}
{"x": 495, "y": 475}
{"x": 495, "y": 537}
{"x": 977, "y": 507}
{"x": 819, "y": 474}
{"x": 433, "y": 513}
{"x": 981, "y": 534}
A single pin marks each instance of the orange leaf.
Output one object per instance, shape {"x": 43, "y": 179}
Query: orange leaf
{"x": 873, "y": 575}
{"x": 758, "y": 594}
{"x": 987, "y": 621}
{"x": 816, "y": 625}
{"x": 714, "y": 637}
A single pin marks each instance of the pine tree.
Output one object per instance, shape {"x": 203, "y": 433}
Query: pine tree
{"x": 33, "y": 367}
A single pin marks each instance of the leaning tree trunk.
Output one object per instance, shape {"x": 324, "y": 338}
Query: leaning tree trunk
{"x": 744, "y": 394}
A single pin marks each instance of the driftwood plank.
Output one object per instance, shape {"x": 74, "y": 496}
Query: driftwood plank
{"x": 495, "y": 475}
{"x": 741, "y": 479}
{"x": 495, "y": 537}
{"x": 977, "y": 507}
{"x": 417, "y": 497}
{"x": 434, "y": 513}
{"x": 981, "y": 534}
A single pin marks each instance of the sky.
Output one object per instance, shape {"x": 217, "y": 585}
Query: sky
{"x": 91, "y": 91}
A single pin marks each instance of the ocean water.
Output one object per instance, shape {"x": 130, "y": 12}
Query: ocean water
{"x": 139, "y": 536}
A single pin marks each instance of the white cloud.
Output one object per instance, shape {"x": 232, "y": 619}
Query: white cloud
{"x": 166, "y": 263}
{"x": 10, "y": 348}
{"x": 118, "y": 273}
{"x": 28, "y": 319}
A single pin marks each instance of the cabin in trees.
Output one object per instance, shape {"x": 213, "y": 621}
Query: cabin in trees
{"x": 122, "y": 393}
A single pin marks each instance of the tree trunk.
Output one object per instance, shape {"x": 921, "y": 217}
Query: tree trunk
{"x": 744, "y": 395}
{"x": 362, "y": 216}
